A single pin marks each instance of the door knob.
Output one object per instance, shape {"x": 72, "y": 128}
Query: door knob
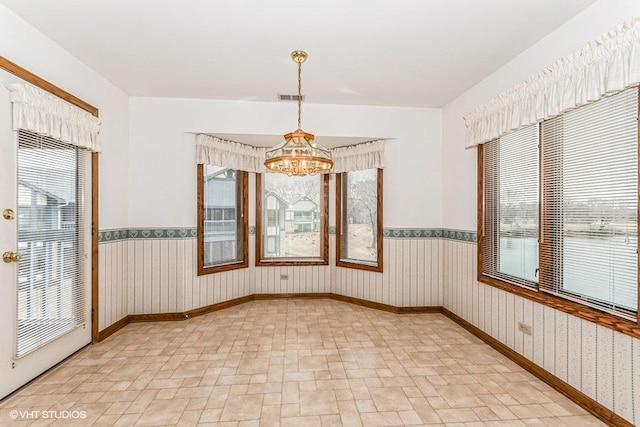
{"x": 11, "y": 257}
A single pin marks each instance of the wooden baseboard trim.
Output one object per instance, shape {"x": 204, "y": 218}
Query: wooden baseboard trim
{"x": 596, "y": 409}
{"x": 112, "y": 329}
{"x": 165, "y": 317}
{"x": 218, "y": 306}
{"x": 156, "y": 317}
{"x": 365, "y": 303}
{"x": 307, "y": 295}
{"x": 416, "y": 310}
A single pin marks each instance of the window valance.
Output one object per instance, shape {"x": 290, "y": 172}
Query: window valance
{"x": 39, "y": 111}
{"x": 603, "y": 67}
{"x": 367, "y": 155}
{"x": 212, "y": 150}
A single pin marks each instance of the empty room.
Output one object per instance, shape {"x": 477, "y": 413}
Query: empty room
{"x": 319, "y": 213}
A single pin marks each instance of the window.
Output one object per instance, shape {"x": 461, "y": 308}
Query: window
{"x": 359, "y": 219}
{"x": 510, "y": 228}
{"x": 590, "y": 198}
{"x": 577, "y": 236}
{"x": 291, "y": 214}
{"x": 51, "y": 240}
{"x": 222, "y": 219}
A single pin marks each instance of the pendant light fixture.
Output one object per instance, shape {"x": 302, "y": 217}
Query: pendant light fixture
{"x": 298, "y": 154}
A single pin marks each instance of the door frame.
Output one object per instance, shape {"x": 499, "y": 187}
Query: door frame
{"x": 28, "y": 76}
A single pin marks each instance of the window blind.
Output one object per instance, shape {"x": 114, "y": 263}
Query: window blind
{"x": 590, "y": 200}
{"x": 50, "y": 291}
{"x": 510, "y": 229}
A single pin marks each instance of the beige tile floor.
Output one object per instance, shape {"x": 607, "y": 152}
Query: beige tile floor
{"x": 294, "y": 362}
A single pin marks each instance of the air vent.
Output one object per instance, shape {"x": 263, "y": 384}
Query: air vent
{"x": 289, "y": 97}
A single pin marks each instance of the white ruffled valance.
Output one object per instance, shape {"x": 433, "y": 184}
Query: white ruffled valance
{"x": 367, "y": 155}
{"x": 39, "y": 111}
{"x": 212, "y": 150}
{"x": 603, "y": 67}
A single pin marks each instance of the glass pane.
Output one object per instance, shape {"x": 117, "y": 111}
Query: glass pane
{"x": 360, "y": 221}
{"x": 591, "y": 164}
{"x": 292, "y": 216}
{"x": 49, "y": 300}
{"x": 518, "y": 204}
{"x": 222, "y": 225}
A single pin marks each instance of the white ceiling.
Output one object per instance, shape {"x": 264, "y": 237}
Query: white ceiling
{"x": 417, "y": 53}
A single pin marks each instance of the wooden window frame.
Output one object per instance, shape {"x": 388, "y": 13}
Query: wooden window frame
{"x": 244, "y": 198}
{"x": 261, "y": 261}
{"x": 340, "y": 218}
{"x": 611, "y": 321}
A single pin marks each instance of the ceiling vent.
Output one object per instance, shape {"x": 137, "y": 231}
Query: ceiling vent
{"x": 282, "y": 97}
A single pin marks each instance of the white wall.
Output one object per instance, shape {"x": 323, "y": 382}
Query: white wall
{"x": 163, "y": 194}
{"x": 459, "y": 165}
{"x": 27, "y": 47}
{"x": 162, "y": 176}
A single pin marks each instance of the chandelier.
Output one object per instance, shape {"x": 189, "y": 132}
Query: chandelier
{"x": 298, "y": 154}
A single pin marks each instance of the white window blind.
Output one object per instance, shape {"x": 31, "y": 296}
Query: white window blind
{"x": 510, "y": 229}
{"x": 50, "y": 292}
{"x": 590, "y": 200}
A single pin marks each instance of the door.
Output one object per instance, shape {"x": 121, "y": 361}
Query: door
{"x": 45, "y": 271}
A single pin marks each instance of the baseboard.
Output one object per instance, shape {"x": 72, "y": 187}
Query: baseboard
{"x": 112, "y": 329}
{"x": 306, "y": 295}
{"x": 164, "y": 317}
{"x": 365, "y": 303}
{"x": 596, "y": 409}
{"x": 218, "y": 306}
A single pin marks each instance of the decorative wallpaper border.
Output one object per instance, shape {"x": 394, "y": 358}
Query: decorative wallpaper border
{"x": 146, "y": 233}
{"x": 462, "y": 235}
{"x": 189, "y": 233}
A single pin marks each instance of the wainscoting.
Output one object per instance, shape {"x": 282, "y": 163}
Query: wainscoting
{"x": 576, "y": 351}
{"x": 412, "y": 275}
{"x": 156, "y": 273}
{"x": 163, "y": 278}
{"x": 113, "y": 282}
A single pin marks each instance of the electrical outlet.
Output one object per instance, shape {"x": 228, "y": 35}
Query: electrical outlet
{"x": 524, "y": 328}
{"x": 284, "y": 277}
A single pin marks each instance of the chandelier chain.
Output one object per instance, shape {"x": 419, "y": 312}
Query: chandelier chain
{"x": 300, "y": 95}
{"x": 299, "y": 155}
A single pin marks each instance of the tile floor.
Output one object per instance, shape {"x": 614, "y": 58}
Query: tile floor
{"x": 294, "y": 362}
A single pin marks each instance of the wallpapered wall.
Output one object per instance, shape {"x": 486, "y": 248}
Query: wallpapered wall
{"x": 602, "y": 363}
{"x": 422, "y": 268}
{"x": 154, "y": 271}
